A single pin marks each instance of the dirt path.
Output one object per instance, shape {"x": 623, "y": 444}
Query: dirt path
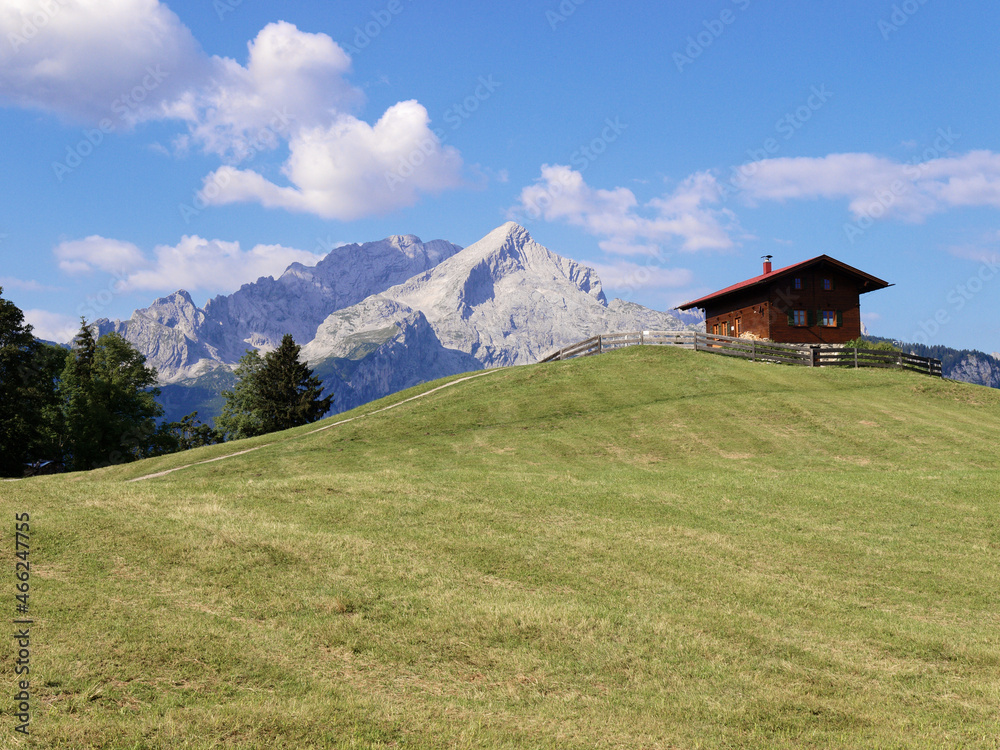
{"x": 320, "y": 429}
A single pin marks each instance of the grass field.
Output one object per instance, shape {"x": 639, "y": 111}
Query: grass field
{"x": 654, "y": 548}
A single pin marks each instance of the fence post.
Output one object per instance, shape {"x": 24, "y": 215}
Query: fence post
{"x": 600, "y": 344}
{"x": 855, "y": 358}
{"x": 753, "y": 350}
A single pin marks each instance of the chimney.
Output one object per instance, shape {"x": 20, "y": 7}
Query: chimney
{"x": 767, "y": 264}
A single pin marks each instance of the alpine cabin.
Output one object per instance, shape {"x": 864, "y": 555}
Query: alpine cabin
{"x": 816, "y": 301}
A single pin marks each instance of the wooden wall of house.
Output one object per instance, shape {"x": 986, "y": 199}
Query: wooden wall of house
{"x": 844, "y": 297}
{"x": 749, "y": 306}
{"x": 763, "y": 310}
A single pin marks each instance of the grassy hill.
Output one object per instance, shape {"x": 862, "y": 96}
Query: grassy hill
{"x": 653, "y": 548}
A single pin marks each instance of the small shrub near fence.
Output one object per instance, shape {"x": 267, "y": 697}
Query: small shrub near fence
{"x": 809, "y": 355}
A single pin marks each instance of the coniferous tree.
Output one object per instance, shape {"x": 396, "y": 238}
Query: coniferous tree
{"x": 17, "y": 349}
{"x": 109, "y": 402}
{"x": 190, "y": 433}
{"x": 41, "y": 375}
{"x": 274, "y": 392}
{"x": 289, "y": 390}
{"x": 240, "y": 417}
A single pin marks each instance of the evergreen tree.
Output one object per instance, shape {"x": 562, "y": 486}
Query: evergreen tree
{"x": 289, "y": 390}
{"x": 17, "y": 349}
{"x": 190, "y": 433}
{"x": 41, "y": 374}
{"x": 273, "y": 393}
{"x": 109, "y": 402}
{"x": 240, "y": 417}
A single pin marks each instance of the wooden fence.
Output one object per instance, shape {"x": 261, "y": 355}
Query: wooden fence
{"x": 608, "y": 341}
{"x": 853, "y": 357}
{"x": 809, "y": 355}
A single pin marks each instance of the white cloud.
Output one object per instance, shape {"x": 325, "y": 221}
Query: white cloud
{"x": 292, "y": 80}
{"x": 52, "y": 326}
{"x": 28, "y": 285}
{"x": 877, "y": 187}
{"x": 626, "y": 275}
{"x": 98, "y": 253}
{"x": 129, "y": 61}
{"x": 83, "y": 59}
{"x": 351, "y": 169}
{"x": 979, "y": 253}
{"x": 686, "y": 218}
{"x": 214, "y": 266}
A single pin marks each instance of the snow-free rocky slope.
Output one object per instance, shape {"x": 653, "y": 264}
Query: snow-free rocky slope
{"x": 384, "y": 316}
{"x": 506, "y": 300}
{"x": 183, "y": 341}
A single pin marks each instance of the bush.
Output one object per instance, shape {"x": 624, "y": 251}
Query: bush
{"x": 878, "y": 346}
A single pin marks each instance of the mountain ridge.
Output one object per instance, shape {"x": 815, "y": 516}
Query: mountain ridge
{"x": 387, "y": 315}
{"x": 377, "y": 317}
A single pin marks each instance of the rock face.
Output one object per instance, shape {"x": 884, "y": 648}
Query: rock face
{"x": 376, "y": 318}
{"x": 182, "y": 341}
{"x": 379, "y": 347}
{"x": 506, "y": 300}
{"x": 975, "y": 367}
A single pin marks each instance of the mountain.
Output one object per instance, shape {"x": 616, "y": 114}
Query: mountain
{"x": 379, "y": 347}
{"x": 185, "y": 342}
{"x": 967, "y": 365}
{"x": 379, "y": 317}
{"x": 506, "y": 300}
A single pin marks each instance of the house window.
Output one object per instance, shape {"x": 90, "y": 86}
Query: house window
{"x": 723, "y": 329}
{"x": 798, "y": 317}
{"x": 830, "y": 318}
{"x": 827, "y": 284}
{"x": 798, "y": 283}
{"x": 737, "y": 326}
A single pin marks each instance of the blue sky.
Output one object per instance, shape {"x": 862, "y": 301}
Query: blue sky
{"x": 150, "y": 146}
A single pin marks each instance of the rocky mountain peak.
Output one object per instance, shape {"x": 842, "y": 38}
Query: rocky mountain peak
{"x": 176, "y": 310}
{"x": 403, "y": 240}
{"x": 383, "y": 315}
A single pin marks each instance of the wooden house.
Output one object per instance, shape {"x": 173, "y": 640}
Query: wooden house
{"x": 816, "y": 301}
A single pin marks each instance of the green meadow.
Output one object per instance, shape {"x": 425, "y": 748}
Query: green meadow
{"x": 654, "y": 548}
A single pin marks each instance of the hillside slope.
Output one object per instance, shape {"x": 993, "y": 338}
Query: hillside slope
{"x": 650, "y": 548}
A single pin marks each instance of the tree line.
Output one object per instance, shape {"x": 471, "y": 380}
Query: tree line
{"x": 95, "y": 404}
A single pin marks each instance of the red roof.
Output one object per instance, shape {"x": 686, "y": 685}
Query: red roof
{"x": 876, "y": 282}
